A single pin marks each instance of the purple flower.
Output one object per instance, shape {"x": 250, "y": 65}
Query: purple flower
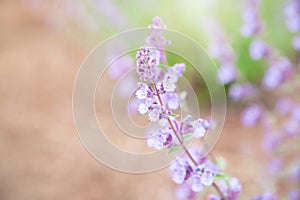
{"x": 296, "y": 113}
{"x": 295, "y": 171}
{"x": 185, "y": 192}
{"x": 214, "y": 197}
{"x": 171, "y": 99}
{"x": 294, "y": 194}
{"x": 200, "y": 126}
{"x": 180, "y": 171}
{"x": 277, "y": 73}
{"x": 258, "y": 49}
{"x": 270, "y": 141}
{"x": 207, "y": 177}
{"x": 161, "y": 139}
{"x": 274, "y": 166}
{"x": 284, "y": 105}
{"x": 120, "y": 67}
{"x": 232, "y": 191}
{"x": 241, "y": 91}
{"x": 251, "y": 22}
{"x": 156, "y": 39}
{"x": 291, "y": 127}
{"x": 251, "y": 115}
{"x": 197, "y": 185}
{"x": 266, "y": 196}
{"x": 178, "y": 69}
{"x": 291, "y": 12}
{"x": 227, "y": 73}
{"x": 147, "y": 65}
{"x": 296, "y": 43}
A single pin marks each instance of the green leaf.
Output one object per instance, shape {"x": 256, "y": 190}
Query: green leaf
{"x": 173, "y": 149}
{"x": 173, "y": 115}
{"x": 187, "y": 137}
{"x": 223, "y": 177}
{"x": 221, "y": 162}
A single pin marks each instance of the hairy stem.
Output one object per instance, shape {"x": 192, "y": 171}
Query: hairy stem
{"x": 181, "y": 142}
{"x": 219, "y": 191}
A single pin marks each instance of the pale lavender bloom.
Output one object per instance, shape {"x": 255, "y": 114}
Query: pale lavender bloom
{"x": 178, "y": 69}
{"x": 207, "y": 177}
{"x": 270, "y": 141}
{"x": 227, "y": 73}
{"x": 284, "y": 105}
{"x": 295, "y": 171}
{"x": 251, "y": 21}
{"x": 200, "y": 126}
{"x": 180, "y": 171}
{"x": 296, "y": 43}
{"x": 291, "y": 127}
{"x": 294, "y": 194}
{"x": 258, "y": 49}
{"x": 241, "y": 91}
{"x": 233, "y": 191}
{"x": 197, "y": 185}
{"x": 171, "y": 100}
{"x": 126, "y": 86}
{"x": 147, "y": 65}
{"x": 251, "y": 115}
{"x": 267, "y": 196}
{"x": 277, "y": 73}
{"x": 221, "y": 50}
{"x": 274, "y": 166}
{"x": 156, "y": 39}
{"x": 160, "y": 140}
{"x": 185, "y": 192}
{"x": 120, "y": 67}
{"x": 157, "y": 24}
{"x": 291, "y": 12}
{"x": 214, "y": 197}
{"x": 155, "y": 112}
{"x": 296, "y": 113}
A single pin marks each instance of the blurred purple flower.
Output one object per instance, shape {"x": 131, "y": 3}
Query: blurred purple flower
{"x": 266, "y": 196}
{"x": 241, "y": 91}
{"x": 171, "y": 100}
{"x": 270, "y": 141}
{"x": 284, "y": 105}
{"x": 251, "y": 115}
{"x": 291, "y": 12}
{"x": 120, "y": 67}
{"x": 296, "y": 113}
{"x": 185, "y": 192}
{"x": 274, "y": 166}
{"x": 295, "y": 171}
{"x": 277, "y": 73}
{"x": 296, "y": 42}
{"x": 294, "y": 194}
{"x": 251, "y": 21}
{"x": 291, "y": 127}
{"x": 227, "y": 73}
{"x": 180, "y": 171}
{"x": 197, "y": 185}
{"x": 231, "y": 191}
{"x": 258, "y": 49}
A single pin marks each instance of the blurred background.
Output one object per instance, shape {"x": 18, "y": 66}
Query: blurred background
{"x": 42, "y": 45}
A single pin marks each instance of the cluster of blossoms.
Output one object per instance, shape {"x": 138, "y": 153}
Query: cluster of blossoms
{"x": 220, "y": 49}
{"x": 159, "y": 99}
{"x": 251, "y": 20}
{"x": 281, "y": 124}
{"x": 292, "y": 15}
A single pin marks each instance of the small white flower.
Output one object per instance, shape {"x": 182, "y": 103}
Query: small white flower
{"x": 142, "y": 92}
{"x": 154, "y": 114}
{"x": 142, "y": 108}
